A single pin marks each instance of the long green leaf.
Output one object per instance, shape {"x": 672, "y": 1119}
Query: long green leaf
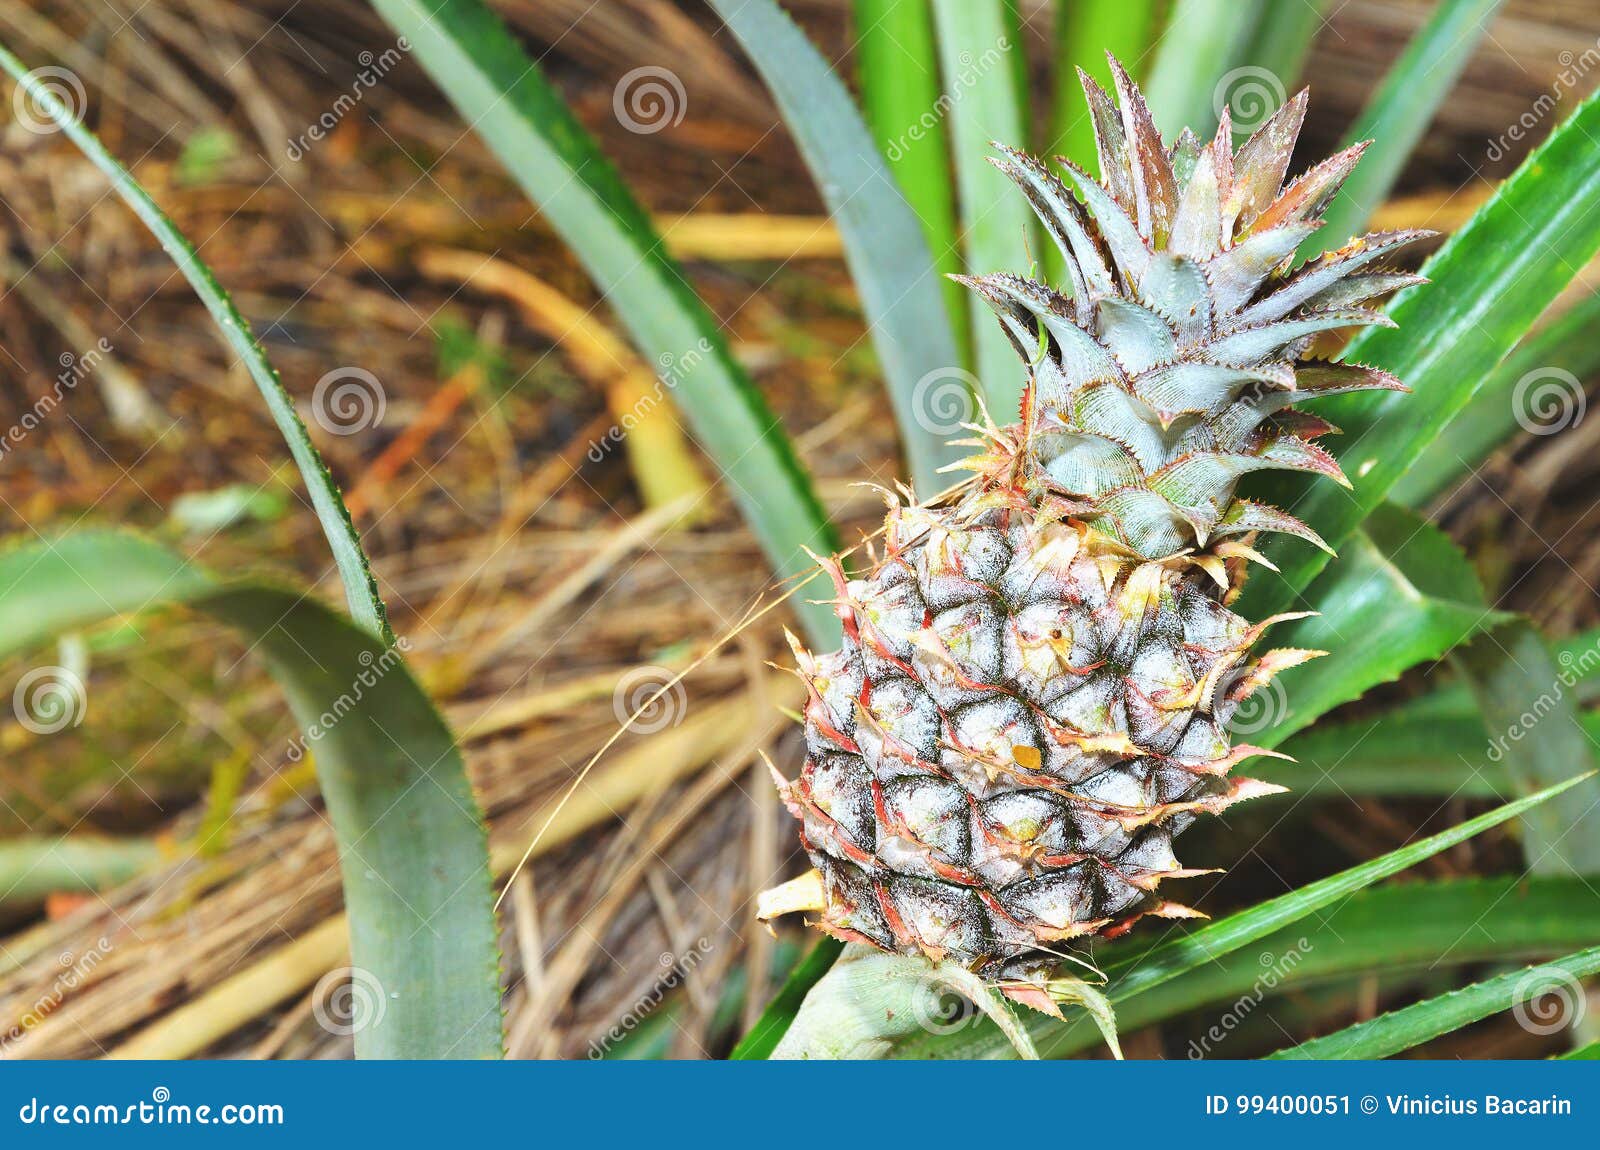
{"x": 1163, "y": 962}
{"x": 33, "y": 867}
{"x": 1282, "y": 39}
{"x": 1400, "y": 111}
{"x": 413, "y": 850}
{"x": 897, "y": 60}
{"x": 360, "y": 588}
{"x": 1401, "y": 594}
{"x": 981, "y": 55}
{"x": 1192, "y": 950}
{"x": 1490, "y": 284}
{"x": 883, "y": 243}
{"x": 1400, "y": 1030}
{"x": 1382, "y": 930}
{"x": 1194, "y": 74}
{"x": 1085, "y": 32}
{"x": 1538, "y": 388}
{"x": 506, "y": 99}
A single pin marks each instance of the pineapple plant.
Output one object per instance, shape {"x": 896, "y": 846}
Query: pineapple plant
{"x": 1033, "y": 694}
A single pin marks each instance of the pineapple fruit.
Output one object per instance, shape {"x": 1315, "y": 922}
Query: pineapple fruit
{"x": 1033, "y": 694}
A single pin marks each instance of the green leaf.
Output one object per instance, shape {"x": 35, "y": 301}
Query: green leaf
{"x": 1390, "y": 930}
{"x": 1194, "y": 74}
{"x": 413, "y": 850}
{"x": 1085, "y": 32}
{"x": 1490, "y": 283}
{"x": 504, "y": 96}
{"x": 1400, "y": 111}
{"x": 1195, "y": 949}
{"x": 871, "y": 1000}
{"x": 1401, "y": 594}
{"x": 1530, "y": 709}
{"x": 884, "y": 245}
{"x": 32, "y": 867}
{"x": 1146, "y": 968}
{"x": 1400, "y": 1030}
{"x": 981, "y": 54}
{"x": 898, "y": 64}
{"x": 1537, "y": 388}
{"x": 1282, "y": 39}
{"x": 779, "y": 1015}
{"x": 360, "y": 588}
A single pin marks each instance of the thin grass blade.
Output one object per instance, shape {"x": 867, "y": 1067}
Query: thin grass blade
{"x": 360, "y": 587}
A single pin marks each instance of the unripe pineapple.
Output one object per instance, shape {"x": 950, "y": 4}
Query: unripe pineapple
{"x": 1034, "y": 689}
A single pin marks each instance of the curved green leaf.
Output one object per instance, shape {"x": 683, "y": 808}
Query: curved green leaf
{"x": 1185, "y": 953}
{"x": 1401, "y": 110}
{"x": 413, "y": 850}
{"x": 1490, "y": 283}
{"x": 1155, "y": 965}
{"x": 1402, "y": 1029}
{"x": 1402, "y": 593}
{"x": 32, "y": 867}
{"x": 1530, "y": 711}
{"x": 504, "y": 96}
{"x": 776, "y": 1019}
{"x": 1412, "y": 926}
{"x": 360, "y": 588}
{"x": 883, "y": 242}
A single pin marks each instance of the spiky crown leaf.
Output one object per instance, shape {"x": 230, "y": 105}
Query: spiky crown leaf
{"x": 1168, "y": 367}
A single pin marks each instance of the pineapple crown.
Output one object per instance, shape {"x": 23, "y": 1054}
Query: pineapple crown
{"x": 1167, "y": 367}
